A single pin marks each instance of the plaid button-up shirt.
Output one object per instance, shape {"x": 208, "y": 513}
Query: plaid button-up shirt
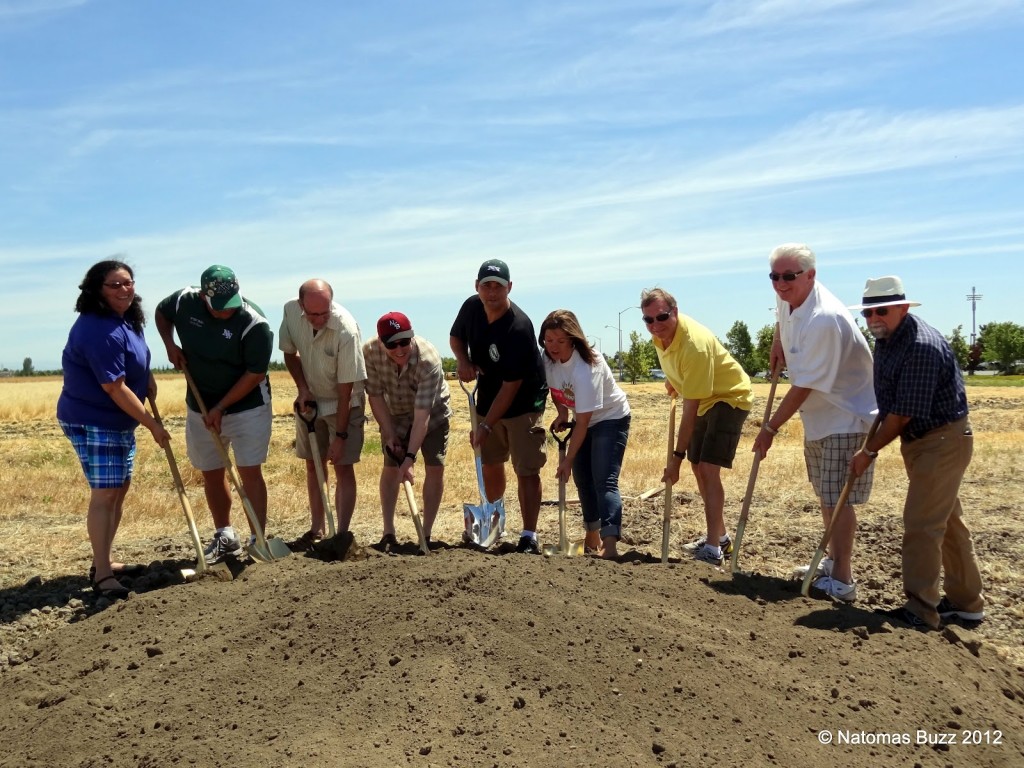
{"x": 916, "y": 375}
{"x": 420, "y": 385}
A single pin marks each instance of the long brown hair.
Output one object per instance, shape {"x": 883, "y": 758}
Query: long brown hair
{"x": 565, "y": 321}
{"x": 91, "y": 301}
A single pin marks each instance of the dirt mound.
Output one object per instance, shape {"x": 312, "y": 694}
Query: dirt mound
{"x": 470, "y": 659}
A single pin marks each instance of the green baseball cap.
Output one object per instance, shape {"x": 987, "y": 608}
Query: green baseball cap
{"x": 220, "y": 286}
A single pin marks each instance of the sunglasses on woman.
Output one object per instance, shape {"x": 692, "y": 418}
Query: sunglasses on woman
{"x": 661, "y": 318}
{"x": 880, "y": 311}
{"x": 397, "y": 344}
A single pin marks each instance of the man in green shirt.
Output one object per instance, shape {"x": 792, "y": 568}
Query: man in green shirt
{"x": 226, "y": 342}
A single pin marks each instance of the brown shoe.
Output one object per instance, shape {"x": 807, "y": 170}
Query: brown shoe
{"x": 305, "y": 542}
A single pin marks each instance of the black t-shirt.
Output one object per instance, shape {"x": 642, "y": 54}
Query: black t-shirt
{"x": 505, "y": 350}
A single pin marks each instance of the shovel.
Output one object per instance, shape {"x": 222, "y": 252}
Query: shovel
{"x": 837, "y": 510}
{"x": 484, "y": 523}
{"x": 564, "y": 546}
{"x": 263, "y": 549}
{"x": 221, "y": 570}
{"x": 318, "y": 465}
{"x": 414, "y": 511}
{"x": 745, "y": 511}
{"x": 667, "y": 516}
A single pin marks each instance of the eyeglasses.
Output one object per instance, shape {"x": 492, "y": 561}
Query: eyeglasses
{"x": 397, "y": 344}
{"x": 119, "y": 284}
{"x": 661, "y": 318}
{"x": 789, "y": 277}
{"x": 880, "y": 311}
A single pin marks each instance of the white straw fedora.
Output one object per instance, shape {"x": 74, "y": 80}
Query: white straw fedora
{"x": 884, "y": 292}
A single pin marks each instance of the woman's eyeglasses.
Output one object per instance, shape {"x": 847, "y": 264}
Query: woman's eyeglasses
{"x": 661, "y": 318}
{"x": 397, "y": 344}
{"x": 789, "y": 277}
{"x": 117, "y": 285}
{"x": 880, "y": 311}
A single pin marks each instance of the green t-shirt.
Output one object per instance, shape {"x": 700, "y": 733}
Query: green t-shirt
{"x": 218, "y": 351}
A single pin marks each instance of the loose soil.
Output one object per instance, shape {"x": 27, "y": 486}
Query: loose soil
{"x": 466, "y": 658}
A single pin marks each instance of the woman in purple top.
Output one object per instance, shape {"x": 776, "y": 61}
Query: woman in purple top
{"x": 106, "y": 378}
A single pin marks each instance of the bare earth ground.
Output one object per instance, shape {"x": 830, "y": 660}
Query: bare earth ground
{"x": 471, "y": 659}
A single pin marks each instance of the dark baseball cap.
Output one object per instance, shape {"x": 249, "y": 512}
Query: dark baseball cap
{"x": 494, "y": 270}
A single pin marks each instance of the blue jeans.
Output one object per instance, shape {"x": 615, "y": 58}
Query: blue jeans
{"x": 595, "y": 470}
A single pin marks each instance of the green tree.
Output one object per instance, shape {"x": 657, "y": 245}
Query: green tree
{"x": 867, "y": 336}
{"x": 1003, "y": 344}
{"x": 763, "y": 351}
{"x": 26, "y": 367}
{"x": 738, "y": 342}
{"x": 449, "y": 364}
{"x": 639, "y": 359}
{"x": 961, "y": 349}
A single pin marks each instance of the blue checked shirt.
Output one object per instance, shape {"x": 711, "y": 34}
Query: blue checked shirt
{"x": 916, "y": 375}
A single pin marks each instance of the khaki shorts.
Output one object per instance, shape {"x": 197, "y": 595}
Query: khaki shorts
{"x": 716, "y": 435}
{"x": 435, "y": 443}
{"x": 828, "y": 466}
{"x": 246, "y": 433}
{"x": 522, "y": 438}
{"x": 325, "y": 427}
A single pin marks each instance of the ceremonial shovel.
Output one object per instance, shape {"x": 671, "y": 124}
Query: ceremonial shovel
{"x": 318, "y": 465}
{"x": 667, "y": 516}
{"x": 564, "y": 546}
{"x": 484, "y": 523}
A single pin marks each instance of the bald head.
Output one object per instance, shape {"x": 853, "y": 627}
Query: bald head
{"x": 316, "y": 286}
{"x": 315, "y": 299}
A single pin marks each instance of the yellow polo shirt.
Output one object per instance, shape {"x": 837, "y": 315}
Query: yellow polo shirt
{"x": 699, "y": 368}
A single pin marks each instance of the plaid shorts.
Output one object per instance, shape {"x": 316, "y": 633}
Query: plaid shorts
{"x": 828, "y": 466}
{"x": 107, "y": 455}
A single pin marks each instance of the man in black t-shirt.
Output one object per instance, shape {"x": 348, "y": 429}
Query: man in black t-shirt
{"x": 494, "y": 342}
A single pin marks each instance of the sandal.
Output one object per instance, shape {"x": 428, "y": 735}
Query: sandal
{"x": 111, "y": 593}
{"x": 132, "y": 570}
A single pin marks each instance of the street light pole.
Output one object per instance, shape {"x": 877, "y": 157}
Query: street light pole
{"x": 618, "y": 327}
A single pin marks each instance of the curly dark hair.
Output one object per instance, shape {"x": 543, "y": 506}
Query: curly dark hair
{"x": 90, "y": 300}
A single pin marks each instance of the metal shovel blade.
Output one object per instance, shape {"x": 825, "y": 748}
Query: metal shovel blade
{"x": 484, "y": 523}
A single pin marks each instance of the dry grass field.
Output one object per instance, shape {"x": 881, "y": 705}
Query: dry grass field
{"x": 475, "y": 659}
{"x": 42, "y": 527}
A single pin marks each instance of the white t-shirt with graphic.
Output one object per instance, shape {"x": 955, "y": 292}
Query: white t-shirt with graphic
{"x": 586, "y": 388}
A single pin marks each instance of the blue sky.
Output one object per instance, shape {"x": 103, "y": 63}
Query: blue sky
{"x": 598, "y": 147}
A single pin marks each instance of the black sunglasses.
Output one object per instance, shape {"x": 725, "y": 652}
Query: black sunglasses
{"x": 789, "y": 277}
{"x": 397, "y": 344}
{"x": 659, "y": 318}
{"x": 880, "y": 311}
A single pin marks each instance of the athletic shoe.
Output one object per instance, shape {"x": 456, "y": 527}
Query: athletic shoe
{"x": 693, "y": 546}
{"x": 222, "y": 546}
{"x": 836, "y": 589}
{"x": 528, "y": 546}
{"x": 824, "y": 569}
{"x": 949, "y": 611}
{"x": 305, "y": 542}
{"x": 905, "y": 617}
{"x": 387, "y": 543}
{"x": 707, "y": 555}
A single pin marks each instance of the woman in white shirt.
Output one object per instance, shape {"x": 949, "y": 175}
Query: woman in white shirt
{"x": 581, "y": 381}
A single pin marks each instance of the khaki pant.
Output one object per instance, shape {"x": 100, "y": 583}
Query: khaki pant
{"x": 935, "y": 538}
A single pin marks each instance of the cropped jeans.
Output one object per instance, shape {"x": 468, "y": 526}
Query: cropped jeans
{"x": 595, "y": 470}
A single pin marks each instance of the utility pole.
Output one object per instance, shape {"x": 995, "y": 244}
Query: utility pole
{"x": 618, "y": 327}
{"x": 974, "y": 297}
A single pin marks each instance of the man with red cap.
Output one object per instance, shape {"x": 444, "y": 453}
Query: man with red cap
{"x": 410, "y": 400}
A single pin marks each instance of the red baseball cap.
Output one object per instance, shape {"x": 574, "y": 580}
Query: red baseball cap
{"x": 394, "y": 326}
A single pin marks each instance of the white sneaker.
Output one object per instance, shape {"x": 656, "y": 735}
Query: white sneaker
{"x": 824, "y": 569}
{"x": 836, "y": 589}
{"x": 221, "y": 546}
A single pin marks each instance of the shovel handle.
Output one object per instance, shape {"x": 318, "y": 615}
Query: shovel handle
{"x": 190, "y": 518}
{"x": 667, "y": 514}
{"x": 311, "y": 406}
{"x": 563, "y": 441}
{"x": 748, "y": 497}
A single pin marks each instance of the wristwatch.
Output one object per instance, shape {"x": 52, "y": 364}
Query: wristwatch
{"x": 342, "y": 435}
{"x": 411, "y": 457}
{"x": 870, "y": 454}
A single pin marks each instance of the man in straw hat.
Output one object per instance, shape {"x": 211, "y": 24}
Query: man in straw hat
{"x": 829, "y": 366}
{"x": 922, "y": 401}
